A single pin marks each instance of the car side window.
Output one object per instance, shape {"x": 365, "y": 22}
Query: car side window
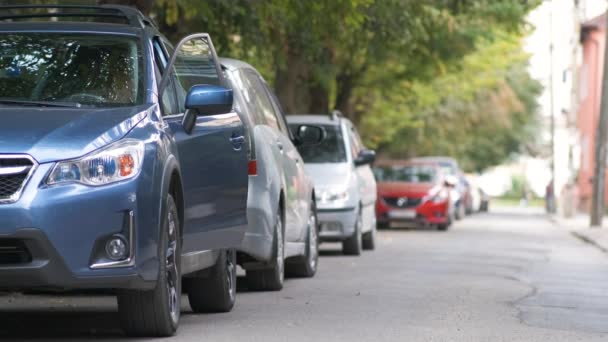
{"x": 262, "y": 101}
{"x": 238, "y": 80}
{"x": 194, "y": 64}
{"x": 280, "y": 116}
{"x": 355, "y": 146}
{"x": 161, "y": 56}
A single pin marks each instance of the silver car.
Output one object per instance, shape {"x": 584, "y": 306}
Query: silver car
{"x": 282, "y": 225}
{"x": 345, "y": 184}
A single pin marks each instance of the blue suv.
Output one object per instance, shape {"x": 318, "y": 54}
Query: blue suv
{"x": 122, "y": 163}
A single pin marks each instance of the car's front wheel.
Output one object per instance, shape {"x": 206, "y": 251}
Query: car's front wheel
{"x": 369, "y": 239}
{"x": 354, "y": 244}
{"x": 157, "y": 312}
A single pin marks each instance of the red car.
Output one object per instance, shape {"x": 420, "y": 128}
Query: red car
{"x": 413, "y": 193}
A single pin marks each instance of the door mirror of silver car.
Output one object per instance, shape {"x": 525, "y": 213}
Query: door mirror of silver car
{"x": 307, "y": 135}
{"x": 365, "y": 157}
{"x": 450, "y": 181}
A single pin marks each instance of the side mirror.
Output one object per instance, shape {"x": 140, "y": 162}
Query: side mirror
{"x": 206, "y": 99}
{"x": 450, "y": 181}
{"x": 365, "y": 157}
{"x": 307, "y": 135}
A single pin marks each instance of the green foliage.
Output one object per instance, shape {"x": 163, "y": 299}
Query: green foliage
{"x": 419, "y": 76}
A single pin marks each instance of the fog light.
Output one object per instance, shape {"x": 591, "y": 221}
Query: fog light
{"x": 116, "y": 248}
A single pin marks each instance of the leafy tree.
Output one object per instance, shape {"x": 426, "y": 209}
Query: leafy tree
{"x": 420, "y": 76}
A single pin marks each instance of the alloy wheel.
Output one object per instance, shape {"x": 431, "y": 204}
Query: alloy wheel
{"x": 230, "y": 274}
{"x": 313, "y": 251}
{"x": 172, "y": 279}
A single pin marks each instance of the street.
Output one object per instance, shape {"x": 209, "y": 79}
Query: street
{"x": 510, "y": 275}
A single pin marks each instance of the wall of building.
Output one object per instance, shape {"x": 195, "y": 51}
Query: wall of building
{"x": 589, "y": 94}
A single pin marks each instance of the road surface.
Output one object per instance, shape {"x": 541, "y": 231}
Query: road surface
{"x": 509, "y": 275}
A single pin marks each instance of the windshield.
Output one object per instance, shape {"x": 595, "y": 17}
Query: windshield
{"x": 330, "y": 150}
{"x": 91, "y": 70}
{"x": 409, "y": 174}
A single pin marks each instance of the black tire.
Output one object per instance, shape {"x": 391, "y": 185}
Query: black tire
{"x": 272, "y": 277}
{"x": 215, "y": 289}
{"x": 369, "y": 239}
{"x": 306, "y": 266}
{"x": 443, "y": 227}
{"x": 156, "y": 313}
{"x": 354, "y": 244}
{"x": 460, "y": 211}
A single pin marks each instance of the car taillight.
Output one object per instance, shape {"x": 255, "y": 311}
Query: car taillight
{"x": 252, "y": 168}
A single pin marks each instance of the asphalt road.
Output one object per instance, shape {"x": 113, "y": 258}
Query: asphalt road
{"x": 509, "y": 275}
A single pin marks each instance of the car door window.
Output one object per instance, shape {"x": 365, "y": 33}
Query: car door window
{"x": 239, "y": 82}
{"x": 261, "y": 99}
{"x": 194, "y": 64}
{"x": 161, "y": 58}
{"x": 279, "y": 113}
{"x": 355, "y": 145}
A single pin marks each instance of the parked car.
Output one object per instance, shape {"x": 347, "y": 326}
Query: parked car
{"x": 281, "y": 208}
{"x": 461, "y": 193}
{"x": 122, "y": 164}
{"x": 414, "y": 193}
{"x": 346, "y": 188}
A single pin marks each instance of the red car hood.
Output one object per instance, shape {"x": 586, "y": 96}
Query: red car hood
{"x": 401, "y": 189}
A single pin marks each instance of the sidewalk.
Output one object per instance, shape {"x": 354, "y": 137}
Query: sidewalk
{"x": 579, "y": 226}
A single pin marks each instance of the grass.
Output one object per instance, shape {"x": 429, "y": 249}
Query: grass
{"x": 509, "y": 201}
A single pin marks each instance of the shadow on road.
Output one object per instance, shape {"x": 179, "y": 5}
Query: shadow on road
{"x": 64, "y": 324}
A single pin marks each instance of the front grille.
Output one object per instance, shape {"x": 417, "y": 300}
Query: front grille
{"x": 14, "y": 252}
{"x": 14, "y": 172}
{"x": 402, "y": 202}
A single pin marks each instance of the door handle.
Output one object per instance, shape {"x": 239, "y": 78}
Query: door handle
{"x": 280, "y": 146}
{"x": 237, "y": 142}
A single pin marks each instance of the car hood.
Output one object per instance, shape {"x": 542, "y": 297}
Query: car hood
{"x": 329, "y": 175}
{"x": 398, "y": 189}
{"x": 51, "y": 134}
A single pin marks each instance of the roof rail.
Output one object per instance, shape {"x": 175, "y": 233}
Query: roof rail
{"x": 130, "y": 15}
{"x": 336, "y": 114}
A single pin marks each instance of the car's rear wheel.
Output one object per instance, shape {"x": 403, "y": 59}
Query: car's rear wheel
{"x": 272, "y": 277}
{"x": 306, "y": 265}
{"x": 214, "y": 290}
{"x": 354, "y": 244}
{"x": 157, "y": 312}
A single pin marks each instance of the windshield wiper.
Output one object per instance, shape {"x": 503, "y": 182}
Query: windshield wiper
{"x": 40, "y": 103}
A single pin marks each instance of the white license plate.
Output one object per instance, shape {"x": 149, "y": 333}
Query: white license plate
{"x": 402, "y": 214}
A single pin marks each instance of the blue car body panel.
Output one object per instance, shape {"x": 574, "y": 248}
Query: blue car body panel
{"x": 62, "y": 224}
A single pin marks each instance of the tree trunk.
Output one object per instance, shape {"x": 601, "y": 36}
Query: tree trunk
{"x": 291, "y": 85}
{"x": 344, "y": 83}
{"x": 319, "y": 99}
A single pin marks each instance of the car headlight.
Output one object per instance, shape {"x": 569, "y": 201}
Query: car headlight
{"x": 436, "y": 197}
{"x": 117, "y": 162}
{"x": 333, "y": 195}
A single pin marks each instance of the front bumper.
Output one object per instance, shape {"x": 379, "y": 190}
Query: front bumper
{"x": 426, "y": 214}
{"x": 64, "y": 228}
{"x": 336, "y": 224}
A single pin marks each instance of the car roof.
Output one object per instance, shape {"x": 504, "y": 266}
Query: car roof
{"x": 404, "y": 162}
{"x": 234, "y": 64}
{"x": 80, "y": 27}
{"x": 437, "y": 159}
{"x": 320, "y": 119}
